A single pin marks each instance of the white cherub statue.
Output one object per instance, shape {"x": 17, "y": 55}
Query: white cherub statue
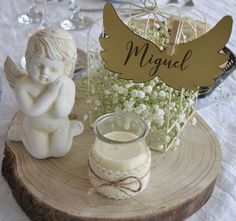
{"x": 46, "y": 94}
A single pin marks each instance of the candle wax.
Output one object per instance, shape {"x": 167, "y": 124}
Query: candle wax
{"x": 120, "y": 157}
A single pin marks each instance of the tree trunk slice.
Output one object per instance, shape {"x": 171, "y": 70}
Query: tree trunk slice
{"x": 56, "y": 189}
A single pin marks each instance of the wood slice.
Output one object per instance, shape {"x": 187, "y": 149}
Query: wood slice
{"x": 57, "y": 189}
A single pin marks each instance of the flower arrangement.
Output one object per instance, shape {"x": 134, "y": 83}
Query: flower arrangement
{"x": 165, "y": 110}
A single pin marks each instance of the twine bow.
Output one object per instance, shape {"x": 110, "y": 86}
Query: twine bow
{"x": 120, "y": 184}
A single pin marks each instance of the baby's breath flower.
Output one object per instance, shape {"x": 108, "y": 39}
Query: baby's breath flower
{"x": 154, "y": 95}
{"x": 148, "y": 89}
{"x": 178, "y": 128}
{"x": 160, "y": 113}
{"x": 177, "y": 142}
{"x": 120, "y": 90}
{"x": 160, "y": 122}
{"x": 140, "y": 84}
{"x": 160, "y": 147}
{"x": 172, "y": 105}
{"x": 134, "y": 93}
{"x": 152, "y": 83}
{"x": 129, "y": 85}
{"x": 137, "y": 110}
{"x": 115, "y": 87}
{"x": 140, "y": 108}
{"x": 191, "y": 102}
{"x": 162, "y": 93}
{"x": 156, "y": 107}
{"x": 141, "y": 94}
{"x": 128, "y": 106}
{"x": 182, "y": 117}
{"x": 143, "y": 107}
{"x": 131, "y": 99}
{"x": 126, "y": 103}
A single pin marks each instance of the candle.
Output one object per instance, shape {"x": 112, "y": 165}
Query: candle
{"x": 120, "y": 157}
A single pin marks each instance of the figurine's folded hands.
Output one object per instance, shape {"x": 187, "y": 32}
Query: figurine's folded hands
{"x": 55, "y": 86}
{"x": 66, "y": 97}
{"x": 35, "y": 99}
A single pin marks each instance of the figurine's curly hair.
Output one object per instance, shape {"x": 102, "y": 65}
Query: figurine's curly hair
{"x": 53, "y": 43}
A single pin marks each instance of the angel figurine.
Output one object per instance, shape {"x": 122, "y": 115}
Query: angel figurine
{"x": 45, "y": 94}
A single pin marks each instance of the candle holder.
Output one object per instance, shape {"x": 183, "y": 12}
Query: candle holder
{"x": 119, "y": 162}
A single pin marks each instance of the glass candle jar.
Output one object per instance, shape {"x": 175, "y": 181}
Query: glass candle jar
{"x": 119, "y": 162}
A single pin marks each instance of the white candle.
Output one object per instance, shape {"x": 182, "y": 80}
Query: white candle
{"x": 119, "y": 162}
{"x": 120, "y": 156}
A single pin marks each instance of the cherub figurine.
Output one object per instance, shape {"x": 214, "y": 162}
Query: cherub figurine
{"x": 46, "y": 94}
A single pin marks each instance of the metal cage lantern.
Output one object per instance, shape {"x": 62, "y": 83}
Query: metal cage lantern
{"x": 165, "y": 110}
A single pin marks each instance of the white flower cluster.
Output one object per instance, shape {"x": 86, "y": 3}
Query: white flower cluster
{"x": 150, "y": 100}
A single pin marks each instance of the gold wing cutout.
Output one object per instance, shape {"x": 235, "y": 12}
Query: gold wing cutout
{"x": 13, "y": 72}
{"x": 193, "y": 64}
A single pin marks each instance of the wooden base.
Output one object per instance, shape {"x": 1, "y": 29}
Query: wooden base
{"x": 57, "y": 189}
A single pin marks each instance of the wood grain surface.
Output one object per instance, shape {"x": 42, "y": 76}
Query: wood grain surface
{"x": 57, "y": 189}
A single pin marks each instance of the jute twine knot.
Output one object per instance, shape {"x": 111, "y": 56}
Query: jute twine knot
{"x": 121, "y": 184}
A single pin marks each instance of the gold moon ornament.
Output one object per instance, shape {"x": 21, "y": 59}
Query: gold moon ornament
{"x": 193, "y": 64}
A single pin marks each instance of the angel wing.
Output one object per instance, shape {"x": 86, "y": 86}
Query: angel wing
{"x": 13, "y": 72}
{"x": 193, "y": 64}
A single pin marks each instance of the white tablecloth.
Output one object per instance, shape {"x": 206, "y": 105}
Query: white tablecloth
{"x": 219, "y": 113}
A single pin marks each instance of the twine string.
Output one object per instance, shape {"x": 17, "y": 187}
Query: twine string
{"x": 120, "y": 185}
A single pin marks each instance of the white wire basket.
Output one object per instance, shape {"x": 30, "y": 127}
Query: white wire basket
{"x": 165, "y": 110}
